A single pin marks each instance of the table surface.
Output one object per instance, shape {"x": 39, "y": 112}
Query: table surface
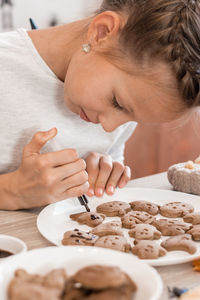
{"x": 22, "y": 224}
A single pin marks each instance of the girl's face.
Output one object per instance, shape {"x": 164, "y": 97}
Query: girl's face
{"x": 101, "y": 92}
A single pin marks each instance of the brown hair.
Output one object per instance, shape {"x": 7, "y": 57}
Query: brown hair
{"x": 167, "y": 30}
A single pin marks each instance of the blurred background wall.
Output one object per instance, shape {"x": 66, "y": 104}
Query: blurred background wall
{"x": 152, "y": 148}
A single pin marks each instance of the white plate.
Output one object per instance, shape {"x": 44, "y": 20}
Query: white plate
{"x": 72, "y": 258}
{"x": 54, "y": 219}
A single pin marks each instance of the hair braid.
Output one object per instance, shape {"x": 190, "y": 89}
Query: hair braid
{"x": 168, "y": 30}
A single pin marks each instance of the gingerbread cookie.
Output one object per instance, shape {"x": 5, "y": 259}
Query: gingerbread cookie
{"x": 109, "y": 228}
{"x": 99, "y": 277}
{"x": 181, "y": 242}
{"x": 113, "y": 208}
{"x": 148, "y": 249}
{"x": 144, "y": 232}
{"x": 136, "y": 217}
{"x": 176, "y": 209}
{"x": 121, "y": 293}
{"x": 195, "y": 232}
{"x": 147, "y": 206}
{"x": 114, "y": 242}
{"x": 91, "y": 219}
{"x": 193, "y": 218}
{"x": 78, "y": 237}
{"x": 171, "y": 226}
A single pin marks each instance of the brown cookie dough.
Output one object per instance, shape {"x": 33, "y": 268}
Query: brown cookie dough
{"x": 171, "y": 227}
{"x": 149, "y": 207}
{"x": 181, "y": 242}
{"x": 195, "y": 232}
{"x": 148, "y": 249}
{"x": 113, "y": 208}
{"x": 193, "y": 218}
{"x": 78, "y": 237}
{"x": 114, "y": 242}
{"x": 109, "y": 228}
{"x": 136, "y": 217}
{"x": 144, "y": 232}
{"x": 91, "y": 219}
{"x": 176, "y": 209}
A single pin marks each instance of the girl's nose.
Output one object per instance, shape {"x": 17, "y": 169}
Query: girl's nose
{"x": 110, "y": 123}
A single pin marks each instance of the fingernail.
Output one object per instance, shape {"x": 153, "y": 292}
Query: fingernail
{"x": 111, "y": 189}
{"x": 100, "y": 191}
{"x": 122, "y": 184}
{"x": 91, "y": 191}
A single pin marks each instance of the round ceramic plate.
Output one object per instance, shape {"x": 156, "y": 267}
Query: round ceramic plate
{"x": 54, "y": 219}
{"x": 72, "y": 258}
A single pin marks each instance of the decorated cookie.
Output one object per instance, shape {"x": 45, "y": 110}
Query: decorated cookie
{"x": 109, "y": 228}
{"x": 144, "y": 232}
{"x": 193, "y": 218}
{"x": 195, "y": 232}
{"x": 171, "y": 226}
{"x": 148, "y": 249}
{"x": 113, "y": 208}
{"x": 181, "y": 242}
{"x": 136, "y": 217}
{"x": 176, "y": 209}
{"x": 91, "y": 219}
{"x": 78, "y": 237}
{"x": 147, "y": 206}
{"x": 114, "y": 242}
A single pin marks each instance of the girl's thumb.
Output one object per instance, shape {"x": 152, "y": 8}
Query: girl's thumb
{"x": 39, "y": 139}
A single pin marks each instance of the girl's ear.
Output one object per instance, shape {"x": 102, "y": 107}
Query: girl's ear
{"x": 104, "y": 27}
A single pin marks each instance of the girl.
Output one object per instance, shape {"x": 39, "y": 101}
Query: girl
{"x": 94, "y": 80}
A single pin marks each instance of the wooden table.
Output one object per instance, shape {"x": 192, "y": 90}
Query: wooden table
{"x": 22, "y": 224}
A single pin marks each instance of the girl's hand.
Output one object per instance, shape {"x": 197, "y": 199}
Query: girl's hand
{"x": 104, "y": 175}
{"x": 46, "y": 178}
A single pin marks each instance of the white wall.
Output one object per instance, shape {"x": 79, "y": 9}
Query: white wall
{"x": 43, "y": 10}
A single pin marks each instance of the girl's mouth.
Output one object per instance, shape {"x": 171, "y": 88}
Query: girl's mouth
{"x": 84, "y": 116}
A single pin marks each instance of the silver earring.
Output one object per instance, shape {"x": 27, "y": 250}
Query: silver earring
{"x": 86, "y": 48}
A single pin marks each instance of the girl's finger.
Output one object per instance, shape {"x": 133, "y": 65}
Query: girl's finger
{"x": 117, "y": 173}
{"x": 126, "y": 176}
{"x": 105, "y": 169}
{"x": 92, "y": 168}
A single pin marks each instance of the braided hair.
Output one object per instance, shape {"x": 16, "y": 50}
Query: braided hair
{"x": 167, "y": 30}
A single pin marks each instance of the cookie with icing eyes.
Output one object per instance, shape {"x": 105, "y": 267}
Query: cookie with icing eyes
{"x": 195, "y": 232}
{"x": 149, "y": 207}
{"x": 176, "y": 209}
{"x": 79, "y": 238}
{"x": 91, "y": 219}
{"x": 109, "y": 228}
{"x": 148, "y": 249}
{"x": 136, "y": 217}
{"x": 114, "y": 242}
{"x": 171, "y": 227}
{"x": 181, "y": 242}
{"x": 193, "y": 218}
{"x": 113, "y": 208}
{"x": 144, "y": 232}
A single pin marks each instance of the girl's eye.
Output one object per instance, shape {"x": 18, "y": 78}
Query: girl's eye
{"x": 116, "y": 105}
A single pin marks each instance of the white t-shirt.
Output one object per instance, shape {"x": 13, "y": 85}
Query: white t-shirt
{"x": 32, "y": 99}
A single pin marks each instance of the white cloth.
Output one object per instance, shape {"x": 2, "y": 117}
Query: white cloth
{"x": 32, "y": 99}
